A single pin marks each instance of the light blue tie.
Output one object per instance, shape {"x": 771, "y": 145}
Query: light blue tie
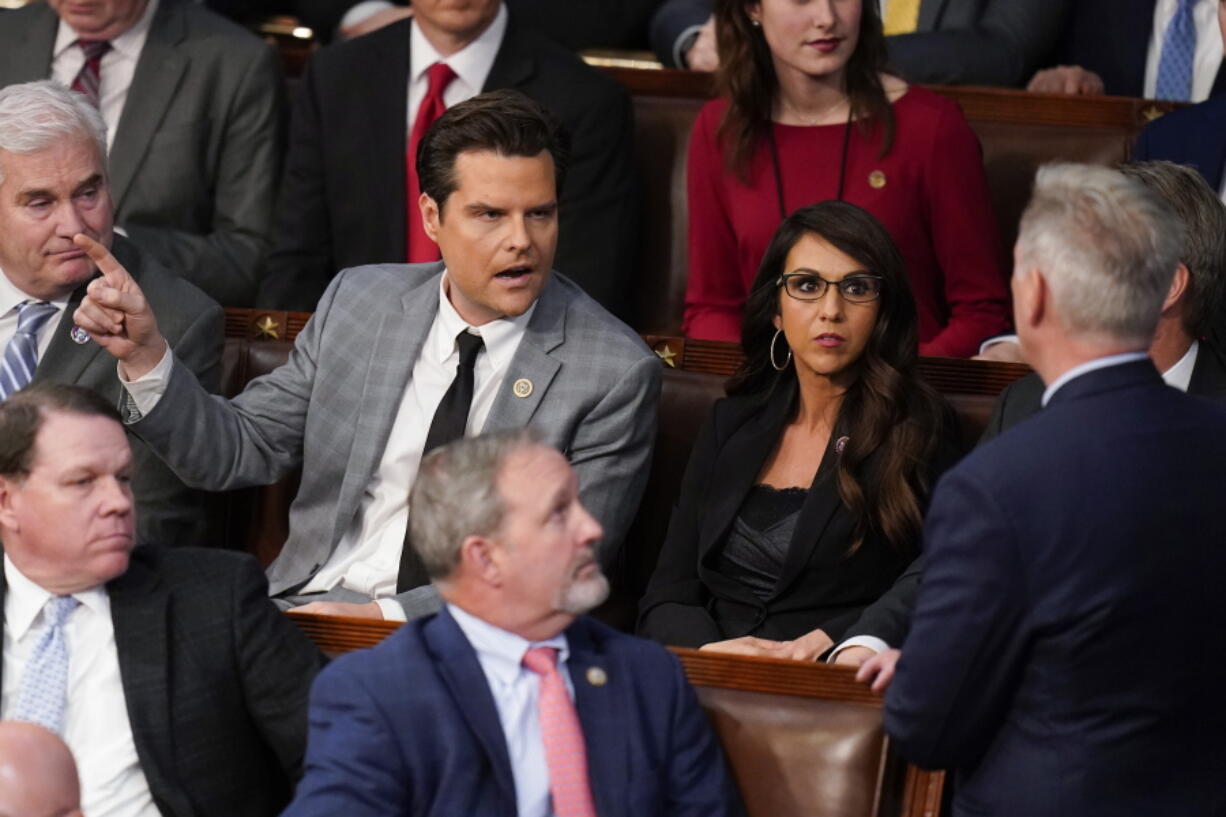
{"x": 1178, "y": 52}
{"x": 44, "y": 685}
{"x": 21, "y": 354}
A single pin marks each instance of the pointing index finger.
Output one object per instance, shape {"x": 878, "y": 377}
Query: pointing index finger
{"x": 114, "y": 273}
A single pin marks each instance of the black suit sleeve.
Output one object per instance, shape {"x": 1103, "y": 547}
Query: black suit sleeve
{"x": 673, "y": 610}
{"x": 1004, "y": 47}
{"x": 301, "y": 262}
{"x": 277, "y": 665}
{"x": 671, "y": 20}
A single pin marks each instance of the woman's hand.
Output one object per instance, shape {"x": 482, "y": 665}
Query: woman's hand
{"x": 806, "y": 648}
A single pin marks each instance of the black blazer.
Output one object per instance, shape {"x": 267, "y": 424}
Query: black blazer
{"x": 342, "y": 200}
{"x": 820, "y": 585}
{"x": 216, "y": 681}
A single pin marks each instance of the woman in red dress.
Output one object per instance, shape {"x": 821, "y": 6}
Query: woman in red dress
{"x": 808, "y": 114}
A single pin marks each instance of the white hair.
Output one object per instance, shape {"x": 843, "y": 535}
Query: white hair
{"x": 1106, "y": 245}
{"x": 36, "y": 115}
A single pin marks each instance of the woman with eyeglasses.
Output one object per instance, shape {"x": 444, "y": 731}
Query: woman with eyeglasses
{"x": 804, "y": 494}
{"x": 808, "y": 113}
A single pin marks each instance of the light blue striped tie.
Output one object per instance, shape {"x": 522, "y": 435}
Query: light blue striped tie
{"x": 1178, "y": 53}
{"x": 21, "y": 354}
{"x": 43, "y": 696}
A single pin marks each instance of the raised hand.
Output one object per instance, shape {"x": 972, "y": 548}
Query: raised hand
{"x": 116, "y": 314}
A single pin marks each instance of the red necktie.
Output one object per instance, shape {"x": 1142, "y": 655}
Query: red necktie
{"x": 565, "y": 753}
{"x": 88, "y": 78}
{"x": 420, "y": 247}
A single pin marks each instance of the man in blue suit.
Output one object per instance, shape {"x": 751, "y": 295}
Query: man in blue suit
{"x": 1071, "y": 600}
{"x": 508, "y": 701}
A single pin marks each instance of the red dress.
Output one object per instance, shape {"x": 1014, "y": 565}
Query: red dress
{"x": 934, "y": 201}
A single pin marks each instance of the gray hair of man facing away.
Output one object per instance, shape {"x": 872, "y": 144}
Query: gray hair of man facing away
{"x": 36, "y": 115}
{"x": 456, "y": 495}
{"x": 1106, "y": 246}
{"x": 38, "y": 777}
{"x": 1203, "y": 218}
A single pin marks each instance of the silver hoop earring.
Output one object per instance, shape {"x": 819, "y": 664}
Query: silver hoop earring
{"x": 786, "y": 360}
{"x": 756, "y": 23}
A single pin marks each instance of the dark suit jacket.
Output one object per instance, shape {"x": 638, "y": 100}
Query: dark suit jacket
{"x": 889, "y": 618}
{"x": 194, "y": 164}
{"x": 975, "y": 42}
{"x": 689, "y": 602}
{"x": 1064, "y": 560}
{"x": 576, "y": 24}
{"x": 216, "y": 681}
{"x": 167, "y": 512}
{"x": 1193, "y": 136}
{"x": 410, "y": 728}
{"x": 343, "y": 200}
{"x": 1111, "y": 38}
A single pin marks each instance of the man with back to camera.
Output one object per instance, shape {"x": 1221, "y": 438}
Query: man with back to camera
{"x": 532, "y": 708}
{"x": 54, "y": 183}
{"x": 178, "y": 686}
{"x": 348, "y": 190}
{"x": 399, "y": 359}
{"x": 194, "y": 108}
{"x": 1065, "y": 557}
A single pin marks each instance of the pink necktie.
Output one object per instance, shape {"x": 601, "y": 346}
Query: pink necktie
{"x": 89, "y": 77}
{"x": 438, "y": 77}
{"x": 565, "y": 754}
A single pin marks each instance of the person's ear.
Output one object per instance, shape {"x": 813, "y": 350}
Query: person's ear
{"x": 480, "y": 557}
{"x": 8, "y": 510}
{"x": 1179, "y": 286}
{"x": 1030, "y": 298}
{"x": 431, "y": 216}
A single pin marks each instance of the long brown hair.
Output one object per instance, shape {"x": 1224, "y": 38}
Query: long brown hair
{"x": 888, "y": 410}
{"x": 746, "y": 76}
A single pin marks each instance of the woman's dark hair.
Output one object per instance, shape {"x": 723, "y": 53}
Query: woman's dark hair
{"x": 746, "y": 76}
{"x": 888, "y": 408}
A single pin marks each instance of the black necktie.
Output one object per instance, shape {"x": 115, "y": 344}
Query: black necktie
{"x": 450, "y": 421}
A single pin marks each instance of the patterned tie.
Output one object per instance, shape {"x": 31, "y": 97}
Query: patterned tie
{"x": 901, "y": 16}
{"x": 565, "y": 754}
{"x": 420, "y": 247}
{"x": 1178, "y": 52}
{"x": 88, "y": 78}
{"x": 21, "y": 354}
{"x": 44, "y": 685}
{"x": 449, "y": 423}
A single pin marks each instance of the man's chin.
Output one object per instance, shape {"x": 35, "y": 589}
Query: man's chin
{"x": 584, "y": 594}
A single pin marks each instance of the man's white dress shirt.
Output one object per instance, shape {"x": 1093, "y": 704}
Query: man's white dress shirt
{"x": 96, "y": 726}
{"x": 10, "y": 296}
{"x": 516, "y": 692}
{"x": 115, "y": 72}
{"x": 367, "y": 558}
{"x": 1208, "y": 56}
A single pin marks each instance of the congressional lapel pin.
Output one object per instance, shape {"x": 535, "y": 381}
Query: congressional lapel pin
{"x": 79, "y": 335}
{"x": 522, "y": 387}
{"x": 876, "y": 180}
{"x": 596, "y": 676}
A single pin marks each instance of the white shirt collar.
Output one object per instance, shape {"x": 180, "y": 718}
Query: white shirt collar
{"x": 129, "y": 43}
{"x": 1179, "y": 376}
{"x": 10, "y": 296}
{"x": 472, "y": 63}
{"x": 498, "y": 335}
{"x": 502, "y": 652}
{"x": 1090, "y": 366}
{"x": 24, "y": 600}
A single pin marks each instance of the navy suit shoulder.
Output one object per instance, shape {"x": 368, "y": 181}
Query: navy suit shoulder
{"x": 1191, "y": 136}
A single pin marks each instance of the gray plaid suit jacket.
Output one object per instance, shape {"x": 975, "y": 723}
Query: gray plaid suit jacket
{"x": 330, "y": 408}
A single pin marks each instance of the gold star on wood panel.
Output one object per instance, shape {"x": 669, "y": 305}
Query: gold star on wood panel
{"x": 268, "y": 327}
{"x": 1151, "y": 113}
{"x": 667, "y": 355}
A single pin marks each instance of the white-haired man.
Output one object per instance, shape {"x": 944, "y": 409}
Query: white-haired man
{"x": 1058, "y": 555}
{"x": 54, "y": 184}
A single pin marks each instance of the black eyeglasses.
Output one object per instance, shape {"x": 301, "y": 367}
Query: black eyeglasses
{"x": 809, "y": 286}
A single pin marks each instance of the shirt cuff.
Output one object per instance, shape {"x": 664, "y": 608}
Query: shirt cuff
{"x": 990, "y": 342}
{"x": 871, "y": 641}
{"x": 682, "y": 44}
{"x": 361, "y": 11}
{"x": 392, "y": 611}
{"x": 146, "y": 391}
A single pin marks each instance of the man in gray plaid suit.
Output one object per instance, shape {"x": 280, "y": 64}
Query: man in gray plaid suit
{"x": 390, "y": 352}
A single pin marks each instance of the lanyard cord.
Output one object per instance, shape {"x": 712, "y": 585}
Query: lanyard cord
{"x": 770, "y": 132}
